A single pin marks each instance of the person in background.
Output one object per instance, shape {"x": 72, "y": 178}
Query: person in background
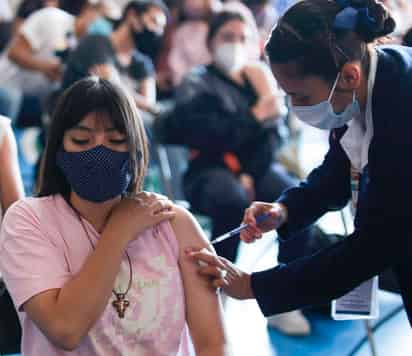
{"x": 407, "y": 38}
{"x": 94, "y": 265}
{"x": 282, "y": 5}
{"x": 6, "y": 17}
{"x": 227, "y": 113}
{"x": 188, "y": 47}
{"x": 104, "y": 24}
{"x": 11, "y": 190}
{"x": 27, "y": 7}
{"x": 401, "y": 11}
{"x": 265, "y": 15}
{"x": 11, "y": 184}
{"x": 126, "y": 55}
{"x": 31, "y": 66}
{"x": 6, "y": 13}
{"x": 255, "y": 45}
{"x": 163, "y": 73}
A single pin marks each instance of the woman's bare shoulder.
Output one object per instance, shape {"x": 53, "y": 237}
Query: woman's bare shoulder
{"x": 187, "y": 230}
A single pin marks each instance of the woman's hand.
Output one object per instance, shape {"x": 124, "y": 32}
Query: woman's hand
{"x": 53, "y": 70}
{"x": 261, "y": 78}
{"x": 248, "y": 183}
{"x": 105, "y": 71}
{"x": 265, "y": 108}
{"x": 131, "y": 217}
{"x": 277, "y": 216}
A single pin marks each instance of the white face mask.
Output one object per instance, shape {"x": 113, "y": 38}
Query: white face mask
{"x": 230, "y": 57}
{"x": 323, "y": 116}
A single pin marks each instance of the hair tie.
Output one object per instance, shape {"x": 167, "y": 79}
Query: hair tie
{"x": 347, "y": 19}
{"x": 351, "y": 18}
{"x": 366, "y": 21}
{"x": 344, "y": 3}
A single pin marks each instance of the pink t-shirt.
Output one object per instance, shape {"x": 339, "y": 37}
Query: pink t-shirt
{"x": 43, "y": 245}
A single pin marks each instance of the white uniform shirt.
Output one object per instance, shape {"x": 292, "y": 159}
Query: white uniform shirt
{"x": 46, "y": 31}
{"x": 5, "y": 11}
{"x": 357, "y": 138}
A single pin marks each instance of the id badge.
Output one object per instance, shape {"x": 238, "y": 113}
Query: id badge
{"x": 360, "y": 303}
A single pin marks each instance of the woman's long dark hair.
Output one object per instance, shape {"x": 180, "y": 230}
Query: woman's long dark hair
{"x": 93, "y": 95}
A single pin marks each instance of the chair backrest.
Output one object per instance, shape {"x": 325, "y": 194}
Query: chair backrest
{"x": 5, "y": 34}
{"x": 173, "y": 161}
{"x": 10, "y": 329}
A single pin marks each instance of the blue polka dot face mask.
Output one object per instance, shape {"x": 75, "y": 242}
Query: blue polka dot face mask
{"x": 322, "y": 115}
{"x": 96, "y": 175}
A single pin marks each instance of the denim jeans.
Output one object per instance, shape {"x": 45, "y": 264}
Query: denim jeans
{"x": 10, "y": 102}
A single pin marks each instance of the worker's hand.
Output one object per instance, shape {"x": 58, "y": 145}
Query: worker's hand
{"x": 222, "y": 273}
{"x": 277, "y": 216}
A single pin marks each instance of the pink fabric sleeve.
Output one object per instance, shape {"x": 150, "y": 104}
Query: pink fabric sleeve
{"x": 30, "y": 261}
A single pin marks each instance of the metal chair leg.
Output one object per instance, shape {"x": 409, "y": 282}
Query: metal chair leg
{"x": 165, "y": 170}
{"x": 371, "y": 339}
{"x": 368, "y": 328}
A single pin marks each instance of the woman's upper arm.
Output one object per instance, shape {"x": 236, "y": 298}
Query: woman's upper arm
{"x": 11, "y": 185}
{"x": 18, "y": 48}
{"x": 203, "y": 309}
{"x": 260, "y": 74}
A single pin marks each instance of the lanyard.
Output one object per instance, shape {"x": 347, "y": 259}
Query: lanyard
{"x": 355, "y": 178}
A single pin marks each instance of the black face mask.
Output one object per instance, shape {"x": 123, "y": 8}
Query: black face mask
{"x": 148, "y": 42}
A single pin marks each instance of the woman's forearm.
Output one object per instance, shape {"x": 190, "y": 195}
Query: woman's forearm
{"x": 83, "y": 299}
{"x": 219, "y": 350}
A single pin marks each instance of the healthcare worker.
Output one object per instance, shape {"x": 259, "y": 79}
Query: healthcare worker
{"x": 322, "y": 54}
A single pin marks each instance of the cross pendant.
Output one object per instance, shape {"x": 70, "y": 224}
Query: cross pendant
{"x": 120, "y": 304}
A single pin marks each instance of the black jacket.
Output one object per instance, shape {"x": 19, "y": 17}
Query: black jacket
{"x": 212, "y": 115}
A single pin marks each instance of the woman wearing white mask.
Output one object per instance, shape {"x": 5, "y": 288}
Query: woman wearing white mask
{"x": 323, "y": 55}
{"x": 216, "y": 115}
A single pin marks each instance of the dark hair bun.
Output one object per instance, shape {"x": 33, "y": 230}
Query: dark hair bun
{"x": 374, "y": 20}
